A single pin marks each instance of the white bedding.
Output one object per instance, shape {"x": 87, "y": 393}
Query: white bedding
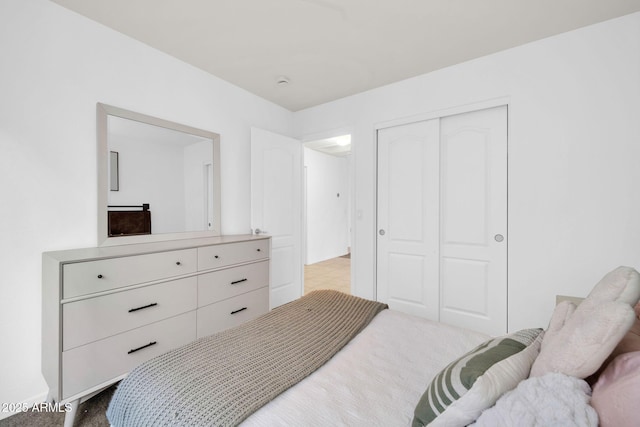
{"x": 376, "y": 379}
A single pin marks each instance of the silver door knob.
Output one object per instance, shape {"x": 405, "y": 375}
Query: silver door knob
{"x": 258, "y": 231}
{"x": 381, "y": 232}
{"x": 498, "y": 237}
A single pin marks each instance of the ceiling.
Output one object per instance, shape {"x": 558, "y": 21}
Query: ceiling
{"x": 339, "y": 146}
{"x": 329, "y": 49}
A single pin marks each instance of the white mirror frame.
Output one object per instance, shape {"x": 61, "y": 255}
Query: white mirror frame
{"x": 103, "y": 111}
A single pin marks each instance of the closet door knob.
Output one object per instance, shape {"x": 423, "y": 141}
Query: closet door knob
{"x": 99, "y": 276}
{"x": 498, "y": 237}
{"x": 178, "y": 263}
{"x": 381, "y": 232}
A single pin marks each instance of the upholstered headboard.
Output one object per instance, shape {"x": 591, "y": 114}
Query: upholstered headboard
{"x": 129, "y": 222}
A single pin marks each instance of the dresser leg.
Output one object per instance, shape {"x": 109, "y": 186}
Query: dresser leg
{"x": 71, "y": 415}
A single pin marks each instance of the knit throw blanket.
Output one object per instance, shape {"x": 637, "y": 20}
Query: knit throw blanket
{"x": 222, "y": 379}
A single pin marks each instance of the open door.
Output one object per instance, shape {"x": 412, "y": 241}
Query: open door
{"x": 276, "y": 209}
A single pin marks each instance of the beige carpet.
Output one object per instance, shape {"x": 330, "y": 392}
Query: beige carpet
{"x": 90, "y": 414}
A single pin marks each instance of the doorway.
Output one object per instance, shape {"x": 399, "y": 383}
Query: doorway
{"x": 327, "y": 214}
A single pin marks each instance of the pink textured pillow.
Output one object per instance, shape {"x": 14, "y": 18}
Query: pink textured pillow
{"x": 616, "y": 394}
{"x": 631, "y": 341}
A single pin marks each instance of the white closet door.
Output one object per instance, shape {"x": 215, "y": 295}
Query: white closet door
{"x": 407, "y": 251}
{"x": 276, "y": 200}
{"x": 473, "y": 231}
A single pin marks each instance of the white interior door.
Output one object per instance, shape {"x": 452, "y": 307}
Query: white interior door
{"x": 276, "y": 201}
{"x": 473, "y": 225}
{"x": 408, "y": 218}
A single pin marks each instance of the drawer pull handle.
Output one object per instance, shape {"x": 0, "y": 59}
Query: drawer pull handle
{"x": 238, "y": 281}
{"x": 238, "y": 311}
{"x": 143, "y": 307}
{"x": 100, "y": 276}
{"x": 258, "y": 249}
{"x": 144, "y": 346}
{"x": 178, "y": 263}
{"x": 216, "y": 256}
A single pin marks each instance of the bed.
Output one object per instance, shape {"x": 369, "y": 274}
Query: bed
{"x": 394, "y": 369}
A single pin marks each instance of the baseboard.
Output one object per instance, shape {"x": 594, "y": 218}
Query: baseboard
{"x": 39, "y": 398}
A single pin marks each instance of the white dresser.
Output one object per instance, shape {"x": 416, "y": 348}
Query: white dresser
{"x": 108, "y": 309}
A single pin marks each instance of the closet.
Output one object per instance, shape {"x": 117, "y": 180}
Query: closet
{"x": 442, "y": 219}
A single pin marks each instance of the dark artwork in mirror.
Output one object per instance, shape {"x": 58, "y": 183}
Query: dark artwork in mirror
{"x": 173, "y": 167}
{"x": 129, "y": 222}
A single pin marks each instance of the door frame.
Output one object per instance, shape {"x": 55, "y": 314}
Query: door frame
{"x": 437, "y": 114}
{"x": 325, "y": 135}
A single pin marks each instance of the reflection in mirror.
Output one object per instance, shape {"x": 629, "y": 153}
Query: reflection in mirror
{"x": 113, "y": 171}
{"x": 158, "y": 180}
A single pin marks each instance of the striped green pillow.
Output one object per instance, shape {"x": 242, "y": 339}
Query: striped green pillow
{"x": 461, "y": 391}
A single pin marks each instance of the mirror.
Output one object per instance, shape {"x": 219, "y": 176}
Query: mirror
{"x": 157, "y": 180}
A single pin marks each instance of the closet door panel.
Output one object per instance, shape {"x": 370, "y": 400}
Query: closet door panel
{"x": 465, "y": 176}
{"x": 407, "y": 254}
{"x": 473, "y": 278}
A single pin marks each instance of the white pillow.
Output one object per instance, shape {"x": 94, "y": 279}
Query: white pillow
{"x": 473, "y": 383}
{"x": 577, "y": 342}
{"x": 550, "y": 400}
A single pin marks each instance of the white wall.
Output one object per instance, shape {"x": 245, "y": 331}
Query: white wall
{"x": 327, "y": 214}
{"x": 574, "y": 103}
{"x": 55, "y": 66}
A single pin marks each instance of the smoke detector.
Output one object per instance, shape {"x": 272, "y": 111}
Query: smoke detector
{"x": 282, "y": 81}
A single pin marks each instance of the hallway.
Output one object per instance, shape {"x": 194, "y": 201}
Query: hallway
{"x": 333, "y": 274}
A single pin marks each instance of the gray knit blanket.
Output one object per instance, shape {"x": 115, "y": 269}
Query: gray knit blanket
{"x": 222, "y": 379}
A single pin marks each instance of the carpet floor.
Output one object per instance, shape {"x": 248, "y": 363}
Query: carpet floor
{"x": 90, "y": 414}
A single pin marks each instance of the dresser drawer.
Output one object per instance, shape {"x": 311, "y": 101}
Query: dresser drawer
{"x": 232, "y": 253}
{"x": 95, "y": 276}
{"x": 92, "y": 319}
{"x": 227, "y": 283}
{"x": 93, "y": 364}
{"x": 232, "y": 312}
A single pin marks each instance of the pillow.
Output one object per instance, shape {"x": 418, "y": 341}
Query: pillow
{"x": 473, "y": 383}
{"x": 631, "y": 341}
{"x": 560, "y": 316}
{"x": 550, "y": 400}
{"x": 617, "y": 392}
{"x": 587, "y": 337}
{"x": 621, "y": 284}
